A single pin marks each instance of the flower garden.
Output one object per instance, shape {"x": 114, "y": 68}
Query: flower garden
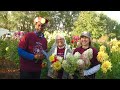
{"x": 109, "y": 53}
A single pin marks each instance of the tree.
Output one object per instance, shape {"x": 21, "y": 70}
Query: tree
{"x": 97, "y": 24}
{"x": 5, "y": 20}
{"x": 62, "y": 20}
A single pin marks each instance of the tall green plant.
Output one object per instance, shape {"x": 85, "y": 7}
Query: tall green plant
{"x": 12, "y": 53}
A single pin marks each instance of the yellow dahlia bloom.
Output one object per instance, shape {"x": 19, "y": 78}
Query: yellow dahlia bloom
{"x": 51, "y": 58}
{"x": 106, "y": 66}
{"x": 102, "y": 56}
{"x": 56, "y": 65}
{"x": 102, "y": 48}
{"x": 113, "y": 42}
{"x": 118, "y": 45}
{"x": 114, "y": 49}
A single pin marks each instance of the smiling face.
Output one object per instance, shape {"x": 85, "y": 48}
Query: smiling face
{"x": 85, "y": 41}
{"x": 60, "y": 42}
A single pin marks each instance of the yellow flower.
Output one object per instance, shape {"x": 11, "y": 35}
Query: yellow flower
{"x": 118, "y": 43}
{"x": 56, "y": 65}
{"x": 102, "y": 48}
{"x": 7, "y": 48}
{"x": 113, "y": 42}
{"x": 114, "y": 49}
{"x": 102, "y": 56}
{"x": 51, "y": 58}
{"x": 106, "y": 66}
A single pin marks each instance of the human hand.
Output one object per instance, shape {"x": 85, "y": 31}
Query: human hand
{"x": 44, "y": 64}
{"x": 55, "y": 73}
{"x": 70, "y": 76}
{"x": 39, "y": 56}
{"x": 81, "y": 72}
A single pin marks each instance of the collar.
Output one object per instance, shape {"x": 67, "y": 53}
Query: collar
{"x": 61, "y": 47}
{"x": 86, "y": 48}
{"x": 41, "y": 35}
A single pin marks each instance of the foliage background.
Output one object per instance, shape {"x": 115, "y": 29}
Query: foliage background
{"x": 70, "y": 23}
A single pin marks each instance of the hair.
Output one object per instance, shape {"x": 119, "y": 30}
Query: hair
{"x": 61, "y": 36}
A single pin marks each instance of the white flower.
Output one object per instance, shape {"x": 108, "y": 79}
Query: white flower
{"x": 69, "y": 46}
{"x": 88, "y": 54}
{"x": 77, "y": 55}
{"x": 51, "y": 65}
{"x": 80, "y": 62}
{"x": 64, "y": 62}
{"x": 89, "y": 50}
{"x": 68, "y": 55}
{"x": 36, "y": 19}
{"x": 69, "y": 33}
{"x": 60, "y": 58}
{"x": 42, "y": 20}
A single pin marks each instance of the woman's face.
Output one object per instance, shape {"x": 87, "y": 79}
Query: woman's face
{"x": 60, "y": 42}
{"x": 84, "y": 41}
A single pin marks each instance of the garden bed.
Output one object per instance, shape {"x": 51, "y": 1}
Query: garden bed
{"x": 8, "y": 69}
{"x": 9, "y": 73}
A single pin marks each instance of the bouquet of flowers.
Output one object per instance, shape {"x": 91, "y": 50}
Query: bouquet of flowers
{"x": 70, "y": 65}
{"x": 56, "y": 62}
{"x": 87, "y": 56}
{"x": 77, "y": 62}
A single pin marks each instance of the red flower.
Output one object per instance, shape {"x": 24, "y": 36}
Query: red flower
{"x": 55, "y": 59}
{"x": 72, "y": 41}
{"x": 75, "y": 39}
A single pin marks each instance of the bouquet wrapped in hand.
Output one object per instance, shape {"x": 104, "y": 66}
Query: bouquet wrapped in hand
{"x": 55, "y": 65}
{"x": 56, "y": 62}
{"x": 87, "y": 56}
{"x": 69, "y": 65}
{"x": 77, "y": 62}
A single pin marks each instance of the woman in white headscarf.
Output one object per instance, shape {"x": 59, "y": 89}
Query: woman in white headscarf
{"x": 59, "y": 48}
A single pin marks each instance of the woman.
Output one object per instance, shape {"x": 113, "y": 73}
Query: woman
{"x": 59, "y": 48}
{"x": 85, "y": 43}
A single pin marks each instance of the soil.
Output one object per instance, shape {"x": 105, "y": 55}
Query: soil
{"x": 9, "y": 73}
{"x": 8, "y": 69}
